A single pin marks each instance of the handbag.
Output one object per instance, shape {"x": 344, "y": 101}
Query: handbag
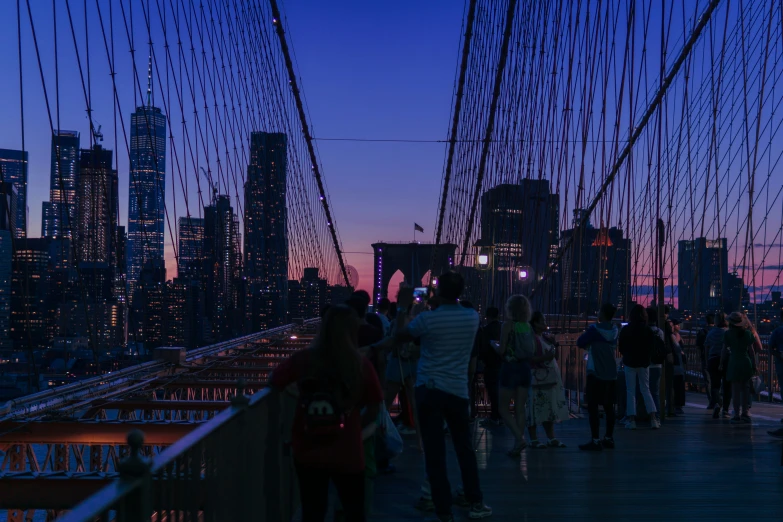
{"x": 545, "y": 373}
{"x": 758, "y": 384}
{"x": 392, "y": 441}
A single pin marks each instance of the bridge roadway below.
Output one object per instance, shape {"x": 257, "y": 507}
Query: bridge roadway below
{"x": 694, "y": 468}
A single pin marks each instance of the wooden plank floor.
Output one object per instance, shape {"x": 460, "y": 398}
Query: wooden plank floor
{"x": 694, "y": 468}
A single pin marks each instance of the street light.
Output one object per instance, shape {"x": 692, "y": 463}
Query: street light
{"x": 523, "y": 274}
{"x": 483, "y": 253}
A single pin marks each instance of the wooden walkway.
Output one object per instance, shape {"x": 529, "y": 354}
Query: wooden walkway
{"x": 694, "y": 468}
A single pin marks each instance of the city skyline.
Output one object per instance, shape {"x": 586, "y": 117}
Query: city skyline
{"x": 388, "y": 105}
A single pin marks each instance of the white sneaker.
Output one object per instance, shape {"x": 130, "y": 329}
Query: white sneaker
{"x": 631, "y": 425}
{"x": 654, "y": 422}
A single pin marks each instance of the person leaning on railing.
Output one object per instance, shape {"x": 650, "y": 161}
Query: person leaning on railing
{"x": 339, "y": 398}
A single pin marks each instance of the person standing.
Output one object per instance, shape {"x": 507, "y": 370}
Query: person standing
{"x": 636, "y": 344}
{"x": 600, "y": 341}
{"x": 517, "y": 347}
{"x": 678, "y": 382}
{"x": 547, "y": 396}
{"x": 713, "y": 346}
{"x": 384, "y": 305}
{"x": 447, "y": 337}
{"x": 741, "y": 364}
{"x": 329, "y": 447}
{"x": 492, "y": 363}
{"x": 658, "y": 359}
{"x": 776, "y": 348}
{"x": 701, "y": 336}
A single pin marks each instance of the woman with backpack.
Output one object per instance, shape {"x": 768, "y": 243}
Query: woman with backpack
{"x": 637, "y": 344}
{"x": 517, "y": 345}
{"x": 741, "y": 366}
{"x": 339, "y": 399}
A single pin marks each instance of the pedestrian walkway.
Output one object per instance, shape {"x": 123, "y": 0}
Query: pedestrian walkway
{"x": 694, "y": 468}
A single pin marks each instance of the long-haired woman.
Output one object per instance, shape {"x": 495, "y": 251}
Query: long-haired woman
{"x": 339, "y": 396}
{"x": 517, "y": 347}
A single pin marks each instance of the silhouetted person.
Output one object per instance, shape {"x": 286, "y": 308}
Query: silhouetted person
{"x": 492, "y": 362}
{"x": 335, "y": 383}
{"x": 447, "y": 338}
{"x": 701, "y": 337}
{"x": 600, "y": 341}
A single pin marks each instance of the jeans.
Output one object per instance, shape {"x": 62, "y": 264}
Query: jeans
{"x": 601, "y": 392}
{"x": 655, "y": 386}
{"x": 491, "y": 383}
{"x": 718, "y": 378}
{"x": 741, "y": 394}
{"x": 643, "y": 374}
{"x": 435, "y": 406}
{"x": 679, "y": 391}
{"x": 314, "y": 493}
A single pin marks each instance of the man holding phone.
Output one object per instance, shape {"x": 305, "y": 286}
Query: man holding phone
{"x": 447, "y": 338}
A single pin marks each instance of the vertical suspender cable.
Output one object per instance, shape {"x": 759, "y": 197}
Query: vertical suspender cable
{"x": 490, "y": 125}
{"x": 308, "y": 138}
{"x": 654, "y": 104}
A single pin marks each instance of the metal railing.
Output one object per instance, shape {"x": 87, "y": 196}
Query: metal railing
{"x": 234, "y": 467}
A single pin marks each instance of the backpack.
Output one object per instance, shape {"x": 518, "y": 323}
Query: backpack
{"x": 323, "y": 416}
{"x": 521, "y": 343}
{"x": 658, "y": 349}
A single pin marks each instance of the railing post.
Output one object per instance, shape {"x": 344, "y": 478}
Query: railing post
{"x": 240, "y": 400}
{"x": 137, "y": 507}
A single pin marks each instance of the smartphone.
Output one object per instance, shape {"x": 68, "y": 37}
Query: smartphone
{"x": 419, "y": 294}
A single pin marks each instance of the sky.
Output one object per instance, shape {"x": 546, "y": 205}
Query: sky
{"x": 367, "y": 72}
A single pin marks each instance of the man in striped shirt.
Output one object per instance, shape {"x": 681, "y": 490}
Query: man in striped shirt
{"x": 447, "y": 336}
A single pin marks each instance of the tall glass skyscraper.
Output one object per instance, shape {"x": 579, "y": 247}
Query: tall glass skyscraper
{"x": 266, "y": 231}
{"x": 191, "y": 247}
{"x": 97, "y": 209}
{"x": 13, "y": 169}
{"x": 147, "y": 193}
{"x": 59, "y": 213}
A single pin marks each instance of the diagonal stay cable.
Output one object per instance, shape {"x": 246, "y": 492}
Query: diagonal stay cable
{"x": 651, "y": 109}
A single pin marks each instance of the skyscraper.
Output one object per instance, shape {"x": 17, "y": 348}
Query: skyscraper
{"x": 29, "y": 289}
{"x": 191, "y": 247}
{"x": 221, "y": 264}
{"x": 96, "y": 210}
{"x": 266, "y": 233}
{"x": 13, "y": 169}
{"x": 59, "y": 213}
{"x": 520, "y": 230}
{"x": 596, "y": 268}
{"x": 147, "y": 191}
{"x": 703, "y": 276}
{"x": 7, "y": 193}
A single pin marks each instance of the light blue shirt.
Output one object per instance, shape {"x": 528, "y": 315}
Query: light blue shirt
{"x": 447, "y": 336}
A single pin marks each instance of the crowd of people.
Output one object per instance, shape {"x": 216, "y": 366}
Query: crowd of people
{"x": 424, "y": 353}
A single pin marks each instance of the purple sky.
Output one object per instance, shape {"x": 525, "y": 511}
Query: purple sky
{"x": 367, "y": 71}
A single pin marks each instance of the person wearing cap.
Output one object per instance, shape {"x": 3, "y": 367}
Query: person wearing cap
{"x": 740, "y": 364}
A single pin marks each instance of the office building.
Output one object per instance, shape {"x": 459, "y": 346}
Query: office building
{"x": 221, "y": 267}
{"x": 96, "y": 209}
{"x": 308, "y": 296}
{"x": 703, "y": 279}
{"x": 596, "y": 268}
{"x": 6, "y": 275}
{"x": 519, "y": 236}
{"x": 59, "y": 213}
{"x": 13, "y": 169}
{"x": 190, "y": 246}
{"x": 29, "y": 289}
{"x": 266, "y": 232}
{"x": 147, "y": 190}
